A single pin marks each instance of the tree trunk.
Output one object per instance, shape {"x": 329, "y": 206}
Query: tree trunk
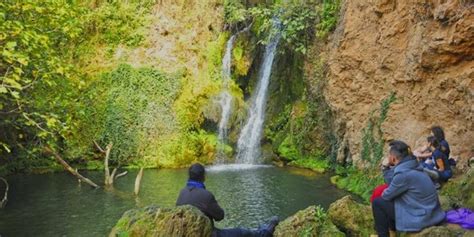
{"x": 138, "y": 180}
{"x": 5, "y": 196}
{"x": 109, "y": 180}
{"x": 66, "y": 166}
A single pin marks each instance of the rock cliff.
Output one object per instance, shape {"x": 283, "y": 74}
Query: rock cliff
{"x": 423, "y": 52}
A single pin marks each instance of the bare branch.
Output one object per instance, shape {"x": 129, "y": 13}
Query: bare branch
{"x": 5, "y": 196}
{"x": 98, "y": 147}
{"x": 66, "y": 166}
{"x": 121, "y": 174}
{"x": 138, "y": 181}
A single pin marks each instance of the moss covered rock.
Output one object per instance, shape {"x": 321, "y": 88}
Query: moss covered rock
{"x": 352, "y": 217}
{"x": 155, "y": 221}
{"x": 439, "y": 231}
{"x": 459, "y": 191}
{"x": 309, "y": 222}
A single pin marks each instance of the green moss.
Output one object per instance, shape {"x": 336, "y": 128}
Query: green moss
{"x": 360, "y": 182}
{"x": 328, "y": 13}
{"x": 317, "y": 165}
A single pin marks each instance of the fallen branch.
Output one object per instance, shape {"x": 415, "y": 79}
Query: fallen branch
{"x": 138, "y": 180}
{"x": 5, "y": 196}
{"x": 121, "y": 174}
{"x": 66, "y": 166}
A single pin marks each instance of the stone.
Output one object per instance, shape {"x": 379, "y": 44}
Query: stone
{"x": 352, "y": 217}
{"x": 167, "y": 222}
{"x": 459, "y": 191}
{"x": 311, "y": 222}
{"x": 439, "y": 231}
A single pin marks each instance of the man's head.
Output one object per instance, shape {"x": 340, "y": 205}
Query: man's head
{"x": 398, "y": 151}
{"x": 197, "y": 172}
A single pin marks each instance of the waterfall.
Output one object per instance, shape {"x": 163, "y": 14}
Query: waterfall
{"x": 248, "y": 145}
{"x": 225, "y": 99}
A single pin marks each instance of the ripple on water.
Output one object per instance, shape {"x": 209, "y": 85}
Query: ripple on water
{"x": 231, "y": 167}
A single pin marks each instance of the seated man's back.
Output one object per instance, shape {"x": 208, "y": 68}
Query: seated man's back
{"x": 202, "y": 199}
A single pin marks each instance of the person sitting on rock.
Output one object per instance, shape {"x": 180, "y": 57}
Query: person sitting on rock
{"x": 410, "y": 203}
{"x": 425, "y": 151}
{"x": 195, "y": 194}
{"x": 438, "y": 132}
{"x": 438, "y": 161}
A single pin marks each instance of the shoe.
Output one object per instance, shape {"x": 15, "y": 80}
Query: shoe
{"x": 269, "y": 228}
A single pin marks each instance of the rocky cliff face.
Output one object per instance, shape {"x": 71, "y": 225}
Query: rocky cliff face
{"x": 423, "y": 52}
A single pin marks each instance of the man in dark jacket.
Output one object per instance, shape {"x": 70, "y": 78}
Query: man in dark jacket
{"x": 195, "y": 194}
{"x": 410, "y": 203}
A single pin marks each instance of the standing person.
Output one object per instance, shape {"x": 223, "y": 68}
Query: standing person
{"x": 410, "y": 203}
{"x": 438, "y": 132}
{"x": 195, "y": 194}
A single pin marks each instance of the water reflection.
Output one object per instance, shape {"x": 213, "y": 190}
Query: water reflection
{"x": 54, "y": 204}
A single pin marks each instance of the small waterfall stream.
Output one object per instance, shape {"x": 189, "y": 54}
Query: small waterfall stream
{"x": 225, "y": 99}
{"x": 248, "y": 144}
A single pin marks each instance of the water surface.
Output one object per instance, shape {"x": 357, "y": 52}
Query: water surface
{"x": 55, "y": 205}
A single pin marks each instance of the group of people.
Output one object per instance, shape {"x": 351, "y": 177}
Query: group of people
{"x": 407, "y": 202}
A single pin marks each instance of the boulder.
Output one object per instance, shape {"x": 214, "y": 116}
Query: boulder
{"x": 169, "y": 222}
{"x": 459, "y": 191}
{"x": 352, "y": 217}
{"x": 439, "y": 231}
{"x": 310, "y": 222}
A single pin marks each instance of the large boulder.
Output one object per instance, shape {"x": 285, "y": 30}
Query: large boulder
{"x": 311, "y": 222}
{"x": 352, "y": 217}
{"x": 167, "y": 222}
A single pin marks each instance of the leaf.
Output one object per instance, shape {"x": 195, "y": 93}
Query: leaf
{"x": 3, "y": 89}
{"x": 11, "y": 45}
{"x": 15, "y": 94}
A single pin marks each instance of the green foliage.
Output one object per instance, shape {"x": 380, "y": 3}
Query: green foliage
{"x": 234, "y": 11}
{"x": 130, "y": 108}
{"x": 372, "y": 141}
{"x": 360, "y": 182}
{"x": 296, "y": 19}
{"x": 114, "y": 22}
{"x": 41, "y": 43}
{"x": 328, "y": 13}
{"x": 37, "y": 76}
{"x": 317, "y": 164}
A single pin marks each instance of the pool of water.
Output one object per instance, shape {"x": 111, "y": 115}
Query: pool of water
{"x": 56, "y": 205}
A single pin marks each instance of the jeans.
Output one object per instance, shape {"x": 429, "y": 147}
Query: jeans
{"x": 238, "y": 232}
{"x": 384, "y": 216}
{"x": 263, "y": 230}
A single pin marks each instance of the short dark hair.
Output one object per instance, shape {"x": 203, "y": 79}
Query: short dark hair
{"x": 438, "y": 132}
{"x": 400, "y": 149}
{"x": 433, "y": 141}
{"x": 196, "y": 172}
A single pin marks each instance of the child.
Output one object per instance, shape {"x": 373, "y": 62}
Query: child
{"x": 439, "y": 161}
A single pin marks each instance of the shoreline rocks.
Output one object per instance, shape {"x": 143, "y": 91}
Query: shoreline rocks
{"x": 155, "y": 221}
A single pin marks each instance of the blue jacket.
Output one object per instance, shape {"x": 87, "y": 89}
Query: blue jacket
{"x": 416, "y": 199}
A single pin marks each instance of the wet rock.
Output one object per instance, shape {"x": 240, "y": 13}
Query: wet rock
{"x": 310, "y": 222}
{"x": 352, "y": 217}
{"x": 155, "y": 221}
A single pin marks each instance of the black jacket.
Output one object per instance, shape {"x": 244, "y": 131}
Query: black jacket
{"x": 203, "y": 200}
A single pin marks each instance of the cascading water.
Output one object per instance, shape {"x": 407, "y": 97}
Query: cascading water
{"x": 248, "y": 144}
{"x": 225, "y": 99}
